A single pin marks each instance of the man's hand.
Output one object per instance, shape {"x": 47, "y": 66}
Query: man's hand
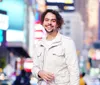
{"x": 47, "y": 76}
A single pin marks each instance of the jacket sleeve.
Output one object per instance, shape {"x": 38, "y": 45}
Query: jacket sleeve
{"x": 72, "y": 62}
{"x": 36, "y": 67}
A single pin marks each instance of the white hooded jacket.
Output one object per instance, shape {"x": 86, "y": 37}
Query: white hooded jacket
{"x": 60, "y": 58}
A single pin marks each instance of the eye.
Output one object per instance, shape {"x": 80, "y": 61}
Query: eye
{"x": 54, "y": 20}
{"x": 46, "y": 19}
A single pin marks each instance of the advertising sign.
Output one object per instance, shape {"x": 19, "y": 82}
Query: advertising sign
{"x": 3, "y": 20}
{"x": 63, "y": 5}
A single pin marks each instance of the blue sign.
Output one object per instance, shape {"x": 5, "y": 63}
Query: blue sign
{"x": 1, "y": 36}
{"x": 16, "y": 12}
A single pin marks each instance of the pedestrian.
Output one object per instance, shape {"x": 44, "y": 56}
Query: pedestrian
{"x": 22, "y": 79}
{"x": 55, "y": 59}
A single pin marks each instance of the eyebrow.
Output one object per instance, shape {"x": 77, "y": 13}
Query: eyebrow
{"x": 51, "y": 19}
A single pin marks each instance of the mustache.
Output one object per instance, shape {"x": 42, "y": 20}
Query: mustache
{"x": 49, "y": 25}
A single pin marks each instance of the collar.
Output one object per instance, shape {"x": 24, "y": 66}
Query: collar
{"x": 56, "y": 41}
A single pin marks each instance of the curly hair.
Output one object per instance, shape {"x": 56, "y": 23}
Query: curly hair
{"x": 58, "y": 17}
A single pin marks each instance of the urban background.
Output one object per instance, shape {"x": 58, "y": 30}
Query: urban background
{"x": 20, "y": 29}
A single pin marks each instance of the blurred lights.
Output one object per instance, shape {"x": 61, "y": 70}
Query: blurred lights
{"x": 40, "y": 1}
{"x": 15, "y": 36}
{"x": 1, "y": 36}
{"x": 56, "y": 1}
{"x": 39, "y": 32}
{"x": 53, "y": 7}
{"x": 28, "y": 64}
{"x": 97, "y": 54}
{"x": 61, "y": 1}
{"x": 93, "y": 13}
{"x": 69, "y": 8}
{"x": 69, "y": 1}
{"x": 41, "y": 5}
{"x": 2, "y": 76}
{"x": 18, "y": 59}
{"x": 3, "y": 21}
{"x": 61, "y": 5}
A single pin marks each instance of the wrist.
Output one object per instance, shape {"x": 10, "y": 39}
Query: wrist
{"x": 39, "y": 74}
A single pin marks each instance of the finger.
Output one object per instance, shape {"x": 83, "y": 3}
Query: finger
{"x": 46, "y": 78}
{"x": 51, "y": 76}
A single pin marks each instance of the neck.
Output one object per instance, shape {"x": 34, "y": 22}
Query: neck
{"x": 51, "y": 36}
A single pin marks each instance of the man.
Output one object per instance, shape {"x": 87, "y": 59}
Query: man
{"x": 55, "y": 59}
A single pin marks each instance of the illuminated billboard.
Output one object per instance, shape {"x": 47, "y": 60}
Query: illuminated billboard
{"x": 2, "y": 37}
{"x": 62, "y": 5}
{"x": 3, "y": 20}
{"x": 16, "y": 11}
{"x": 60, "y": 1}
{"x": 11, "y": 36}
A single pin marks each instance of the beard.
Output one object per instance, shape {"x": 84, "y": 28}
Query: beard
{"x": 49, "y": 31}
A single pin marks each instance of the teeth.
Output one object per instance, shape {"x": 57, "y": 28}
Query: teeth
{"x": 49, "y": 26}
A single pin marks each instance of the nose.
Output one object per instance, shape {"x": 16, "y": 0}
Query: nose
{"x": 49, "y": 21}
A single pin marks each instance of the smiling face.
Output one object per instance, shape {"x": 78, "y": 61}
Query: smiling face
{"x": 50, "y": 23}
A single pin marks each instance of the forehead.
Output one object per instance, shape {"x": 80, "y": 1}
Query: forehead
{"x": 50, "y": 15}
